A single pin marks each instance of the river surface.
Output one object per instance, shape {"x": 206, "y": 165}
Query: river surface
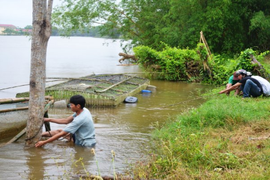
{"x": 125, "y": 130}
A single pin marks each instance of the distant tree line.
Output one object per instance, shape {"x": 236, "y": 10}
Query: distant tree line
{"x": 92, "y": 32}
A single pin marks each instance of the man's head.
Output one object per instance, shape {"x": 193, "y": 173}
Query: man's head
{"x": 235, "y": 76}
{"x": 78, "y": 101}
{"x": 241, "y": 74}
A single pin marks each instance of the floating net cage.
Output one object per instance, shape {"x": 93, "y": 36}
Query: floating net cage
{"x": 99, "y": 90}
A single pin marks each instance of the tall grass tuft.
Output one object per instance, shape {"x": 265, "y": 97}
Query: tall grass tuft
{"x": 94, "y": 153}
{"x": 113, "y": 165}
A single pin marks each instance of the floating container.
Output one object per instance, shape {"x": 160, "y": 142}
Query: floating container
{"x": 146, "y": 91}
{"x": 131, "y": 99}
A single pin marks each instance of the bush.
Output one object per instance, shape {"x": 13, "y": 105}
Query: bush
{"x": 194, "y": 65}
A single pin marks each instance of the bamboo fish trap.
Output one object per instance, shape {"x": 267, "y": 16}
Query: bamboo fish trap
{"x": 98, "y": 90}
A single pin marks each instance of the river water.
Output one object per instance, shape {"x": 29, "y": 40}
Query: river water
{"x": 125, "y": 129}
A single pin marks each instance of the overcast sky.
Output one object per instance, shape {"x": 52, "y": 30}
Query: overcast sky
{"x": 17, "y": 12}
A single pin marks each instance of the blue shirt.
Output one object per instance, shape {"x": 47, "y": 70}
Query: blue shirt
{"x": 83, "y": 128}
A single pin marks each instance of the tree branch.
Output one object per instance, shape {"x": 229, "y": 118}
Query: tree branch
{"x": 48, "y": 19}
{"x": 49, "y": 11}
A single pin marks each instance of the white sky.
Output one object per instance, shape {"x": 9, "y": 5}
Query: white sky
{"x": 18, "y": 12}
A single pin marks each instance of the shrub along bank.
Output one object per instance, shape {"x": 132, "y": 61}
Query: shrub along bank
{"x": 195, "y": 65}
{"x": 225, "y": 138}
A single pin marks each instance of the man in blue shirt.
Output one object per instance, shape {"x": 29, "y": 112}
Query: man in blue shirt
{"x": 80, "y": 124}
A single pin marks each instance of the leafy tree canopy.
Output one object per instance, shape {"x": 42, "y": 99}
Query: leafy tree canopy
{"x": 28, "y": 27}
{"x": 228, "y": 25}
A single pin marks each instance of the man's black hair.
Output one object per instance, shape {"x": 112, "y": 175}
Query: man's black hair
{"x": 243, "y": 74}
{"x": 78, "y": 99}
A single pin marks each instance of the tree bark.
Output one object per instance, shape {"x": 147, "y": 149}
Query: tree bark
{"x": 40, "y": 36}
{"x": 259, "y": 69}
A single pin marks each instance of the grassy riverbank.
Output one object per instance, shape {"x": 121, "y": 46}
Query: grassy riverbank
{"x": 222, "y": 139}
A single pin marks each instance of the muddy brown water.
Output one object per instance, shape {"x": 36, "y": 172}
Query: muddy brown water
{"x": 125, "y": 129}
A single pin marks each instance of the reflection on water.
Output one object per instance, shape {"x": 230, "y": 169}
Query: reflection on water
{"x": 125, "y": 129}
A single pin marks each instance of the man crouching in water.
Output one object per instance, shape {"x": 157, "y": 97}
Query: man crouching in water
{"x": 80, "y": 124}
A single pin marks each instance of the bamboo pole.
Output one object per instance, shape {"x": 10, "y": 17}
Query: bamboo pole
{"x": 14, "y": 87}
{"x": 70, "y": 78}
{"x": 14, "y": 109}
{"x": 82, "y": 78}
{"x": 13, "y": 100}
{"x": 22, "y": 85}
{"x": 86, "y": 77}
{"x": 118, "y": 90}
{"x": 113, "y": 85}
{"x": 202, "y": 39}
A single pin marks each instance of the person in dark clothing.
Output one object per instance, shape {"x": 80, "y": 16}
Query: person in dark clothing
{"x": 249, "y": 86}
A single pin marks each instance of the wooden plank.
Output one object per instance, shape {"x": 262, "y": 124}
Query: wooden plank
{"x": 15, "y": 138}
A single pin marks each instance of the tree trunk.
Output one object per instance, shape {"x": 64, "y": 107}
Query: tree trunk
{"x": 259, "y": 69}
{"x": 127, "y": 56}
{"x": 40, "y": 36}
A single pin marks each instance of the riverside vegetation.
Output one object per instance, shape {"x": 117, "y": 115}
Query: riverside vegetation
{"x": 195, "y": 65}
{"x": 225, "y": 138}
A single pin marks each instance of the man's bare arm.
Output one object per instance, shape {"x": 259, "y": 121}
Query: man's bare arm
{"x": 53, "y": 138}
{"x": 230, "y": 88}
{"x": 59, "y": 121}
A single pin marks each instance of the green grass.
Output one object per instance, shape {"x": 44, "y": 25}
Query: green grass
{"x": 213, "y": 142}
